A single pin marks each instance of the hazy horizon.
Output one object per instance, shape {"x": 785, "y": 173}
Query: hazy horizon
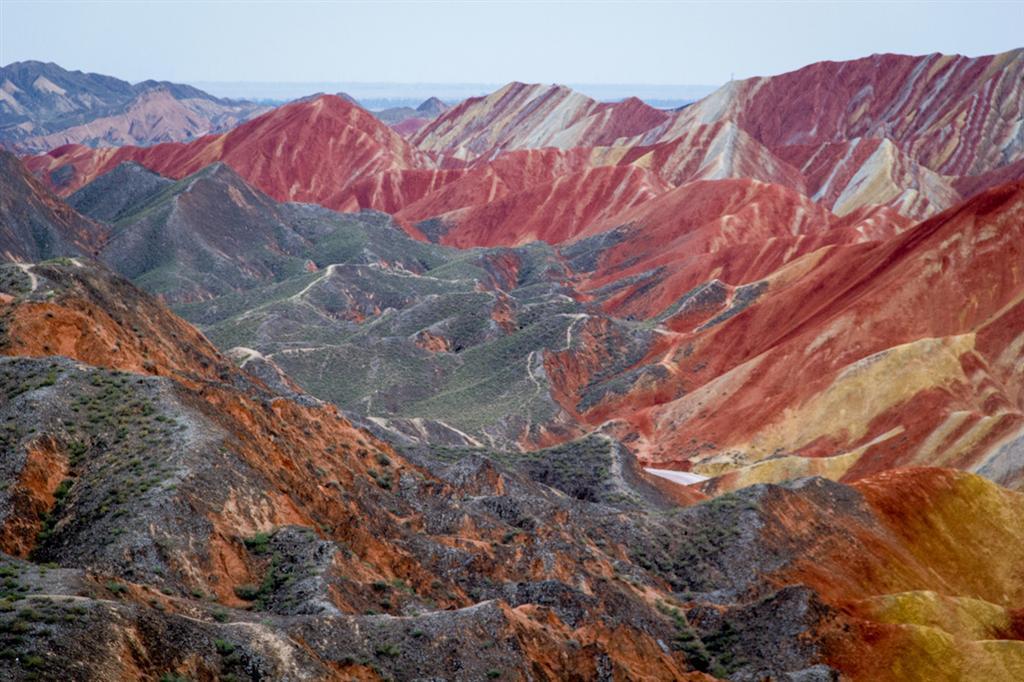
{"x": 638, "y": 43}
{"x": 406, "y": 94}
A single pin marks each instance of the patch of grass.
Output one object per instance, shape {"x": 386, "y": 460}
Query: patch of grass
{"x": 686, "y": 640}
{"x": 51, "y": 517}
{"x": 388, "y": 650}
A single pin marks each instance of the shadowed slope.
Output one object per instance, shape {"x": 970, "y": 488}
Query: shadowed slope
{"x": 35, "y": 224}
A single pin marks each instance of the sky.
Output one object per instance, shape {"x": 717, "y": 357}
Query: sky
{"x": 487, "y": 42}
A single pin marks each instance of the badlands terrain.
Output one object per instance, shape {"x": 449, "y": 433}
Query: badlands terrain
{"x": 528, "y": 386}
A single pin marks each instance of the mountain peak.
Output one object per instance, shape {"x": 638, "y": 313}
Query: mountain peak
{"x": 432, "y": 107}
{"x": 347, "y": 97}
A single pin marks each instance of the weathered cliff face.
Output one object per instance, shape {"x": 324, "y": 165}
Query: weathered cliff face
{"x": 101, "y": 320}
{"x": 952, "y": 114}
{"x": 531, "y": 116}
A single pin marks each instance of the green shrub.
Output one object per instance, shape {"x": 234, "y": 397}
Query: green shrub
{"x": 116, "y": 588}
{"x": 248, "y": 592}
{"x": 383, "y": 480}
{"x": 223, "y": 646}
{"x": 32, "y": 661}
{"x": 389, "y": 650}
{"x": 258, "y": 544}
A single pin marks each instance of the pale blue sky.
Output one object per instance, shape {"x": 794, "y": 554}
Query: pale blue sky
{"x": 487, "y": 42}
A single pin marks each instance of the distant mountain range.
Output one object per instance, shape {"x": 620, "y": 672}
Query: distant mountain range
{"x": 376, "y": 96}
{"x": 43, "y": 106}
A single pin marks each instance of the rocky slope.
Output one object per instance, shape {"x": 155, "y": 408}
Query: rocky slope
{"x": 298, "y": 288}
{"x": 164, "y": 515}
{"x": 596, "y": 334}
{"x": 36, "y": 224}
{"x": 43, "y": 106}
{"x": 859, "y": 357}
{"x": 783, "y": 307}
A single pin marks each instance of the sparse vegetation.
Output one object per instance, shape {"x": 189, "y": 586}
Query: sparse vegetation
{"x": 247, "y": 592}
{"x": 116, "y": 587}
{"x": 223, "y": 647}
{"x": 382, "y": 479}
{"x": 388, "y": 651}
{"x": 258, "y": 543}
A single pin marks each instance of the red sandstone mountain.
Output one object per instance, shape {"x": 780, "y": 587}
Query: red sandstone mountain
{"x": 310, "y": 151}
{"x": 740, "y": 226}
{"x": 859, "y": 357}
{"x": 952, "y": 114}
{"x": 736, "y": 231}
{"x": 530, "y": 116}
{"x": 553, "y": 211}
{"x": 928, "y": 120}
{"x": 870, "y": 147}
{"x": 789, "y": 319}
